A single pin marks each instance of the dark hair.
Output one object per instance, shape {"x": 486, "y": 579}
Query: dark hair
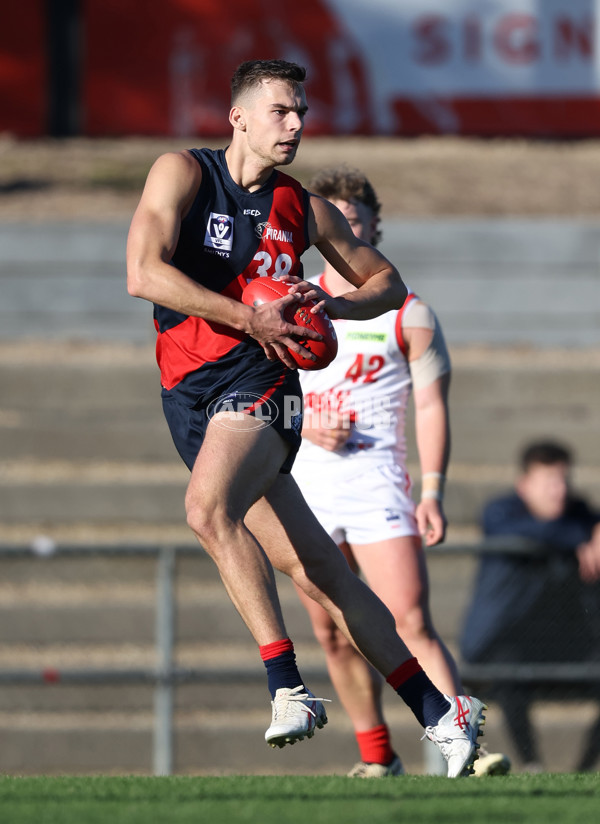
{"x": 346, "y": 183}
{"x": 252, "y": 72}
{"x": 548, "y": 453}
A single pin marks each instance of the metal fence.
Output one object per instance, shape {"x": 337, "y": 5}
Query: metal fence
{"x": 565, "y": 670}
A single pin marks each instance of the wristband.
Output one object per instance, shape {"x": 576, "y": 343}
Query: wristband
{"x": 432, "y": 485}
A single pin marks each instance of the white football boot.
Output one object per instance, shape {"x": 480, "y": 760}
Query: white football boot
{"x": 456, "y": 733}
{"x": 491, "y": 763}
{"x": 296, "y": 715}
{"x": 365, "y": 769}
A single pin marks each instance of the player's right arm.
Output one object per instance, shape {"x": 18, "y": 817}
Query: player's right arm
{"x": 172, "y": 184}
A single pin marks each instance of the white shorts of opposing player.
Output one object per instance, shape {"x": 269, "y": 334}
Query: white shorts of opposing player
{"x": 359, "y": 501}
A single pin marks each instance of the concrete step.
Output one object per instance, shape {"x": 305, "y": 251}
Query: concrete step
{"x": 223, "y": 739}
{"x": 97, "y": 612}
{"x": 37, "y": 435}
{"x": 491, "y": 280}
{"x": 69, "y": 605}
{"x": 230, "y": 740}
{"x": 83, "y": 437}
{"x": 154, "y": 494}
{"x": 72, "y": 501}
{"x": 84, "y": 443}
{"x": 498, "y": 405}
{"x": 102, "y": 403}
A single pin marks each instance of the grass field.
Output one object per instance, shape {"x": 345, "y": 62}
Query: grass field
{"x": 300, "y": 800}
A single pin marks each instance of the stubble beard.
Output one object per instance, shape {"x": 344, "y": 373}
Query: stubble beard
{"x": 289, "y": 157}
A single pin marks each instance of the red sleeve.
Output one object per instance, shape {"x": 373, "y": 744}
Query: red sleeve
{"x": 399, "y": 336}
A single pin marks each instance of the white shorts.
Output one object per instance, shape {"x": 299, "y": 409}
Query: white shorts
{"x": 360, "y": 504}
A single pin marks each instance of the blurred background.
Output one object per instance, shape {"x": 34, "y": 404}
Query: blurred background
{"x": 478, "y": 123}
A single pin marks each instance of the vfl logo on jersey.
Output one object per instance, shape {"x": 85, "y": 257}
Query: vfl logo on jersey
{"x": 219, "y": 232}
{"x": 268, "y": 232}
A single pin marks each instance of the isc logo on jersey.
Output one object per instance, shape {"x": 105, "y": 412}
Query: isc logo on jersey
{"x": 219, "y": 232}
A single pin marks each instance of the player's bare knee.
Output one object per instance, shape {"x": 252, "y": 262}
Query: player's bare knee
{"x": 413, "y": 625}
{"x": 333, "y": 642}
{"x": 200, "y": 524}
{"x": 209, "y": 523}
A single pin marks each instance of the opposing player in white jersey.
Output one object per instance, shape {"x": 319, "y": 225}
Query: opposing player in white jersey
{"x": 351, "y": 469}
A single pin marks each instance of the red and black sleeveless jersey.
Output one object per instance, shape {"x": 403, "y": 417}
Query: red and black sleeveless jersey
{"x": 229, "y": 237}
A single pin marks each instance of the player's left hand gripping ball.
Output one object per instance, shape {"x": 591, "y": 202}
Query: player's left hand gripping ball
{"x": 265, "y": 289}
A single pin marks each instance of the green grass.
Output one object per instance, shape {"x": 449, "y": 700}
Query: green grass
{"x": 299, "y": 800}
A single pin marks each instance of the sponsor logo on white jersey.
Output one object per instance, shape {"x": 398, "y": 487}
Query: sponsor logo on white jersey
{"x": 219, "y": 232}
{"x": 379, "y": 337}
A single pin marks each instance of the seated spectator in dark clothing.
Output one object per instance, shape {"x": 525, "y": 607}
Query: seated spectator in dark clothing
{"x": 537, "y": 606}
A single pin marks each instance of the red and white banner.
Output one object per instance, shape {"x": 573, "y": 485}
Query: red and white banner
{"x": 404, "y": 67}
{"x": 473, "y": 67}
{"x": 23, "y": 68}
{"x": 167, "y": 70}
